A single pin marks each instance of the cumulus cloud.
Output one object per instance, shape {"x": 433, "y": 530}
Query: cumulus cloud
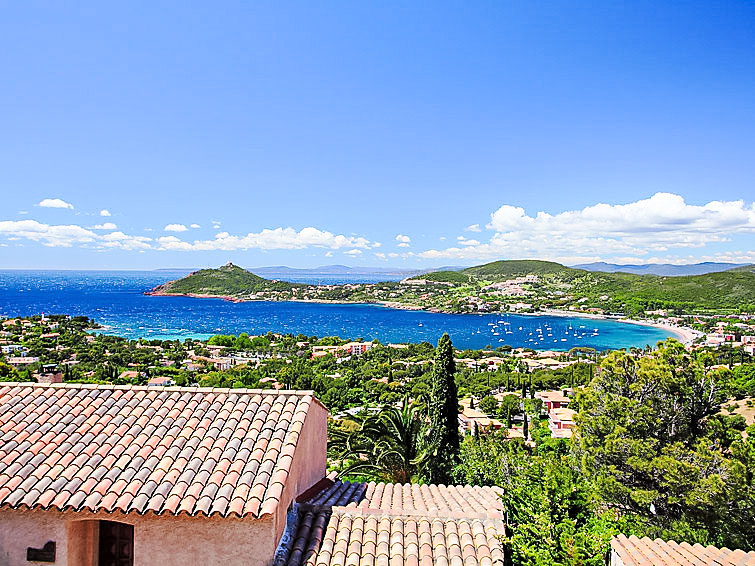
{"x": 48, "y": 235}
{"x": 195, "y": 226}
{"x": 473, "y": 228}
{"x": 268, "y": 239}
{"x": 54, "y": 203}
{"x": 175, "y": 228}
{"x": 403, "y": 241}
{"x": 105, "y": 212}
{"x": 125, "y": 241}
{"x": 656, "y": 225}
{"x": 353, "y": 253}
{"x": 467, "y": 242}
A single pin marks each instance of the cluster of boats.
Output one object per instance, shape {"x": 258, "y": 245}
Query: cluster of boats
{"x": 544, "y": 333}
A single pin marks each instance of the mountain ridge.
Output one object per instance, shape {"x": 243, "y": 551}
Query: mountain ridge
{"x": 664, "y": 269}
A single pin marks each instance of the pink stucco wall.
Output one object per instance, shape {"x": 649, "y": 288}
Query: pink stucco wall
{"x": 169, "y": 540}
{"x": 309, "y": 464}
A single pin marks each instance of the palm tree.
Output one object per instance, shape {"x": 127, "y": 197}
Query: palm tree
{"x": 388, "y": 446}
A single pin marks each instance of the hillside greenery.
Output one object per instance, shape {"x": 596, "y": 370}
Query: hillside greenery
{"x": 620, "y": 292}
{"x": 652, "y": 455}
{"x": 474, "y": 289}
{"x": 230, "y": 280}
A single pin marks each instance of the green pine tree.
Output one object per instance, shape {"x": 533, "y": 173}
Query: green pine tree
{"x": 443, "y": 434}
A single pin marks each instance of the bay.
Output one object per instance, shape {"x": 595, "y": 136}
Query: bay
{"x": 116, "y": 300}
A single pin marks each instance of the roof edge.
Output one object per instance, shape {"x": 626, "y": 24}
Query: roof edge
{"x": 109, "y": 386}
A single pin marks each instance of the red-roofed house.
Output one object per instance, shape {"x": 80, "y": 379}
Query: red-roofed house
{"x": 552, "y": 399}
{"x": 103, "y": 475}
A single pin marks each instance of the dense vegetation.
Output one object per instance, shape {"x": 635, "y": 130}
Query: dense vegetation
{"x": 652, "y": 455}
{"x": 623, "y": 292}
{"x": 658, "y": 449}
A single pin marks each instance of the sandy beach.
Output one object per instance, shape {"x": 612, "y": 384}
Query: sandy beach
{"x": 685, "y": 334}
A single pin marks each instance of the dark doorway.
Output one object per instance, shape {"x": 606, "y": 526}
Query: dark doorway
{"x": 116, "y": 544}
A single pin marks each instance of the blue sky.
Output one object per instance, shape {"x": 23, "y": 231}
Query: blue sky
{"x": 444, "y": 133}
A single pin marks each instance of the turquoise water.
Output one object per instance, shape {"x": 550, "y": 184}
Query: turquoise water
{"x": 116, "y": 300}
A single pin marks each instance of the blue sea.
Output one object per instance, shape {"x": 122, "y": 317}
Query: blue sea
{"x": 115, "y": 299}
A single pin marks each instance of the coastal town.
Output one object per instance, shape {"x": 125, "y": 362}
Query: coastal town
{"x": 377, "y": 284}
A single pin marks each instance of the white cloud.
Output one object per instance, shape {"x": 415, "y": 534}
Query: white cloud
{"x": 663, "y": 212}
{"x": 125, "y": 242}
{"x": 473, "y": 228}
{"x": 175, "y": 228}
{"x": 656, "y": 225}
{"x": 354, "y": 252}
{"x": 268, "y": 239}
{"x": 402, "y": 245}
{"x": 195, "y": 226}
{"x": 275, "y": 239}
{"x": 105, "y": 212}
{"x": 403, "y": 239}
{"x": 54, "y": 203}
{"x": 53, "y": 236}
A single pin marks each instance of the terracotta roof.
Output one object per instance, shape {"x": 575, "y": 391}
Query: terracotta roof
{"x": 385, "y": 524}
{"x": 635, "y": 551}
{"x": 430, "y": 500}
{"x": 173, "y": 450}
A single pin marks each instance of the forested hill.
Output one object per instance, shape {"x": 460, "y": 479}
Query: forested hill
{"x": 499, "y": 271}
{"x": 733, "y": 289}
{"x": 228, "y": 280}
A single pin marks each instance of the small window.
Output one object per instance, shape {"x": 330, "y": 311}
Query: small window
{"x": 116, "y": 544}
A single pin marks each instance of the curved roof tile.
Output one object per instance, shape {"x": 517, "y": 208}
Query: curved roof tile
{"x": 137, "y": 449}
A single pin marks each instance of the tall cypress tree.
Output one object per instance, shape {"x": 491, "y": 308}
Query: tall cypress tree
{"x": 443, "y": 437}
